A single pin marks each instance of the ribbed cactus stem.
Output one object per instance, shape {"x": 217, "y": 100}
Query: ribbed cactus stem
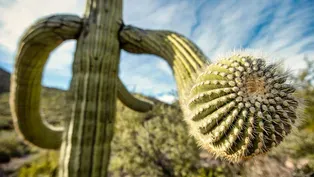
{"x": 241, "y": 107}
{"x": 87, "y": 140}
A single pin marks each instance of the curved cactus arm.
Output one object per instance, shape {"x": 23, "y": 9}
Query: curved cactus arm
{"x": 130, "y": 101}
{"x": 184, "y": 57}
{"x": 34, "y": 48}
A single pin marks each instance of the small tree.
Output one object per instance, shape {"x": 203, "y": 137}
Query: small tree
{"x": 305, "y": 80}
{"x": 236, "y": 108}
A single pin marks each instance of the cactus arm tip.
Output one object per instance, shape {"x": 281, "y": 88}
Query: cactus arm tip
{"x": 132, "y": 102}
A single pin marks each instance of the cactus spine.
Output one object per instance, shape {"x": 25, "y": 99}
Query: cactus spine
{"x": 236, "y": 108}
{"x": 241, "y": 107}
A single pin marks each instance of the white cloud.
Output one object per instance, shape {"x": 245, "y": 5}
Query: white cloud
{"x": 164, "y": 67}
{"x": 167, "y": 15}
{"x": 20, "y": 14}
{"x": 229, "y": 25}
{"x": 23, "y": 13}
{"x": 167, "y": 98}
{"x": 226, "y": 26}
{"x": 61, "y": 59}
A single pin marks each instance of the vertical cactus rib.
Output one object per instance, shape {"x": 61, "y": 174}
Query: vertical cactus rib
{"x": 94, "y": 86}
{"x": 34, "y": 48}
{"x": 130, "y": 101}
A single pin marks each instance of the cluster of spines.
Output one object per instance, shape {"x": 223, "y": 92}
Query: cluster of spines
{"x": 239, "y": 107}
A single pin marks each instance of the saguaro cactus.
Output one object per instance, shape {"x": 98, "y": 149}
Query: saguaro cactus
{"x": 234, "y": 108}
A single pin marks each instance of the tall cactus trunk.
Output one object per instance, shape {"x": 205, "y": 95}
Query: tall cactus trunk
{"x": 85, "y": 150}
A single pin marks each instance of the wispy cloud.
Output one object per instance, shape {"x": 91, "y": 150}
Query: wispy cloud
{"x": 284, "y": 29}
{"x": 281, "y": 28}
{"x": 20, "y": 14}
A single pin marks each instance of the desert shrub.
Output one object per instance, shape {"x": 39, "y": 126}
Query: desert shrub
{"x": 305, "y": 82}
{"x": 11, "y": 146}
{"x": 45, "y": 166}
{"x": 212, "y": 172}
{"x": 5, "y": 115}
{"x": 153, "y": 144}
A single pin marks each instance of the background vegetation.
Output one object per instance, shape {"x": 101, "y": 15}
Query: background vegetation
{"x": 157, "y": 143}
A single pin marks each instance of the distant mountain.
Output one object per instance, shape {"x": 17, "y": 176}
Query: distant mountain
{"x": 4, "y": 81}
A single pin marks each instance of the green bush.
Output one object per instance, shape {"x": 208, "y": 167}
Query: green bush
{"x": 11, "y": 146}
{"x": 153, "y": 144}
{"x": 46, "y": 166}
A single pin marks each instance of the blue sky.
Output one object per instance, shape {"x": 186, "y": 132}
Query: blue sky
{"x": 283, "y": 30}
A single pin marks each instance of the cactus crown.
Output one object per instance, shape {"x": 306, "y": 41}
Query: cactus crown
{"x": 240, "y": 107}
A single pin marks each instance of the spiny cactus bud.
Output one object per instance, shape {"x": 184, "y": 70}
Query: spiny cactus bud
{"x": 240, "y": 107}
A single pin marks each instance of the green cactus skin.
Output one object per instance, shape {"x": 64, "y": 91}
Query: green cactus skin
{"x": 86, "y": 146}
{"x": 241, "y": 107}
{"x": 34, "y": 48}
{"x": 130, "y": 101}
